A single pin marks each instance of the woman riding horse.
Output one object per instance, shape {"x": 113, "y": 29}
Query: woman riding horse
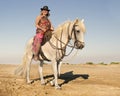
{"x": 43, "y": 25}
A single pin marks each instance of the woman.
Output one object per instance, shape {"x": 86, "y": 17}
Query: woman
{"x": 43, "y": 25}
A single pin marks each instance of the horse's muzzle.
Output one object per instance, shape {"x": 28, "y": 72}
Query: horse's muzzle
{"x": 79, "y": 45}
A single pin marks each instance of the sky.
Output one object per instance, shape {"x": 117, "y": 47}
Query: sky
{"x": 102, "y": 21}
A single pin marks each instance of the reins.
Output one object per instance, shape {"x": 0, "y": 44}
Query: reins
{"x": 66, "y": 45}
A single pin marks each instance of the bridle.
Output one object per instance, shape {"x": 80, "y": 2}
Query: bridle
{"x": 76, "y": 40}
{"x": 66, "y": 45}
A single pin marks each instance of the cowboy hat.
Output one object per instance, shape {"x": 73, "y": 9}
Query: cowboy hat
{"x": 45, "y": 8}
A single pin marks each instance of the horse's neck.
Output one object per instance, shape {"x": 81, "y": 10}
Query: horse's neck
{"x": 62, "y": 33}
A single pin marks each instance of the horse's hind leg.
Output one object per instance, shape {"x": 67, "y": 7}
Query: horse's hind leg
{"x": 28, "y": 66}
{"x": 41, "y": 72}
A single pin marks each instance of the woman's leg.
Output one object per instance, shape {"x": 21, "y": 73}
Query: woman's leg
{"x": 36, "y": 53}
{"x": 37, "y": 45}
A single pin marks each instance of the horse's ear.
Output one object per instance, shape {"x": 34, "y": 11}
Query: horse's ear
{"x": 76, "y": 21}
{"x": 82, "y": 20}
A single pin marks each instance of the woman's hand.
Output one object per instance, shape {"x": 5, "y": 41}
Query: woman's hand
{"x": 44, "y": 29}
{"x": 52, "y": 28}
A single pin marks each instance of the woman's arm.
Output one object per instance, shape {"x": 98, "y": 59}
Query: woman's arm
{"x": 38, "y": 18}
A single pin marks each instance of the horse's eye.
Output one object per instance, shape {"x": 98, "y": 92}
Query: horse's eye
{"x": 78, "y": 31}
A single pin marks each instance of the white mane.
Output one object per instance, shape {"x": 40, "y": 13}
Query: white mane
{"x": 62, "y": 26}
{"x": 65, "y": 24}
{"x": 62, "y": 29}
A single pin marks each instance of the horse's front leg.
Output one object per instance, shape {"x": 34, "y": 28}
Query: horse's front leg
{"x": 59, "y": 66}
{"x": 55, "y": 70}
{"x": 41, "y": 72}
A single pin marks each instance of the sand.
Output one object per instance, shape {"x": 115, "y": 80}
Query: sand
{"x": 75, "y": 80}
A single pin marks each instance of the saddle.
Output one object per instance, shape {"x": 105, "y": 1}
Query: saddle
{"x": 47, "y": 37}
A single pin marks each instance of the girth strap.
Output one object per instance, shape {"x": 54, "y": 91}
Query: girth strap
{"x": 43, "y": 56}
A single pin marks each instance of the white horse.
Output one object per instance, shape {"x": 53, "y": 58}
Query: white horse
{"x": 54, "y": 50}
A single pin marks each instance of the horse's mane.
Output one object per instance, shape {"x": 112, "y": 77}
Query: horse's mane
{"x": 61, "y": 26}
{"x": 66, "y": 25}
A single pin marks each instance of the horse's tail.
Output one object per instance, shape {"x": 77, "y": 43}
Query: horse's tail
{"x": 21, "y": 69}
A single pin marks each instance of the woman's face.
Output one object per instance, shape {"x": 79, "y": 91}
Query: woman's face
{"x": 44, "y": 12}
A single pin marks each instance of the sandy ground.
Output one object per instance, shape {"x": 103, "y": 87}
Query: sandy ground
{"x": 75, "y": 80}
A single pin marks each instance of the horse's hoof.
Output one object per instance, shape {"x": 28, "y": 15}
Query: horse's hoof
{"x": 43, "y": 83}
{"x": 30, "y": 82}
{"x": 52, "y": 83}
{"x": 58, "y": 87}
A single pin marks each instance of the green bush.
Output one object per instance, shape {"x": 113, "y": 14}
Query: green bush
{"x": 91, "y": 63}
{"x": 115, "y": 63}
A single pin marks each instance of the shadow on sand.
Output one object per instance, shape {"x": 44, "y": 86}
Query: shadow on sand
{"x": 67, "y": 77}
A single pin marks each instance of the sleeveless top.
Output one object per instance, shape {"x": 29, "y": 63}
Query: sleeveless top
{"x": 44, "y": 23}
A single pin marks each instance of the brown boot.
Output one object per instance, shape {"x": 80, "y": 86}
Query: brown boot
{"x": 36, "y": 57}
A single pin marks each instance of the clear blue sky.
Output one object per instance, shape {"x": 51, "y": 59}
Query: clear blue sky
{"x": 102, "y": 20}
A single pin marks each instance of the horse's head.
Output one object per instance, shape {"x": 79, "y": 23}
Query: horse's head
{"x": 77, "y": 33}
